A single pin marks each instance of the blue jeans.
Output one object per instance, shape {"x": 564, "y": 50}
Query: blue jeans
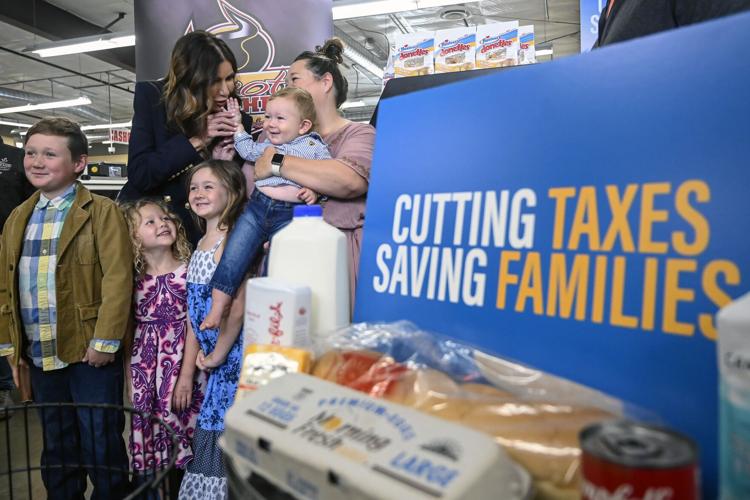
{"x": 6, "y": 375}
{"x": 261, "y": 219}
{"x": 78, "y": 437}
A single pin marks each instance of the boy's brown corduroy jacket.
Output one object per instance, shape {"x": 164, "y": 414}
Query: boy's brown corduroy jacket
{"x": 93, "y": 281}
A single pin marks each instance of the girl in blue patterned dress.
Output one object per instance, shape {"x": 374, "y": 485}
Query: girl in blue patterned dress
{"x": 216, "y": 195}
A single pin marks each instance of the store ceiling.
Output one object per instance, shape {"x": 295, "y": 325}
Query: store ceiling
{"x": 108, "y": 77}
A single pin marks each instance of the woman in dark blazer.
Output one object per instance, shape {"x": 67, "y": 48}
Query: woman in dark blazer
{"x": 180, "y": 121}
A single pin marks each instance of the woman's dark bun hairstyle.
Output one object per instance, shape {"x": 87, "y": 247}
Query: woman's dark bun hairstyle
{"x": 332, "y": 49}
{"x": 326, "y": 59}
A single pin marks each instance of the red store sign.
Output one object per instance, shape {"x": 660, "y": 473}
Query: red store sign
{"x": 119, "y": 136}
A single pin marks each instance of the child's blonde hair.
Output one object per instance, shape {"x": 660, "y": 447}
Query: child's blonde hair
{"x": 231, "y": 177}
{"x": 302, "y": 100}
{"x": 181, "y": 248}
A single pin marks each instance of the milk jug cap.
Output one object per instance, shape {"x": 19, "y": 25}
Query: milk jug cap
{"x": 308, "y": 211}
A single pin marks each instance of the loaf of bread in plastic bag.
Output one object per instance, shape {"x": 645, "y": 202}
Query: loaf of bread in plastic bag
{"x": 540, "y": 435}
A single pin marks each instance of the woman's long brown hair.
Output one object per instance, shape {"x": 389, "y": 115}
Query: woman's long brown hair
{"x": 192, "y": 71}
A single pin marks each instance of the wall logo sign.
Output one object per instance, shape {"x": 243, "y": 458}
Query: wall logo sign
{"x": 262, "y": 34}
{"x": 249, "y": 40}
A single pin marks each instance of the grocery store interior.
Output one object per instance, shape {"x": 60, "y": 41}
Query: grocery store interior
{"x": 107, "y": 77}
{"x": 540, "y": 290}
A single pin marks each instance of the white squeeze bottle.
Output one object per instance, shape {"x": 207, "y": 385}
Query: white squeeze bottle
{"x": 734, "y": 412}
{"x": 311, "y": 252}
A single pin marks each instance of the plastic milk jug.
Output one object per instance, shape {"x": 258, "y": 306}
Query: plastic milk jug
{"x": 277, "y": 313}
{"x": 311, "y": 252}
{"x": 734, "y": 412}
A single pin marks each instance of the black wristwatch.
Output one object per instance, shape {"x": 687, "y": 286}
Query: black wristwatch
{"x": 276, "y": 162}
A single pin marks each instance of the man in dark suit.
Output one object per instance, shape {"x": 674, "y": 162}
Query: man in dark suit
{"x": 622, "y": 20}
{"x": 15, "y": 188}
{"x": 13, "y": 183}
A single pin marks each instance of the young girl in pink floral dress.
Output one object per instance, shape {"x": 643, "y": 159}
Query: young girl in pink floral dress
{"x": 163, "y": 378}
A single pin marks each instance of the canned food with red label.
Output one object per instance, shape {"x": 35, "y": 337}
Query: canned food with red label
{"x": 624, "y": 460}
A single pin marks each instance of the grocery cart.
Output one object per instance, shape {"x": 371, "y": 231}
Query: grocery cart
{"x": 23, "y": 464}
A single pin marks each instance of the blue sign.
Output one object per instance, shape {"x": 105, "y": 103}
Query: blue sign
{"x": 503, "y": 222}
{"x": 590, "y": 12}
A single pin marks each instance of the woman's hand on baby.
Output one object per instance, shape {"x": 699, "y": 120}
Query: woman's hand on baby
{"x": 182, "y": 392}
{"x": 308, "y": 196}
{"x": 263, "y": 164}
{"x": 224, "y": 150}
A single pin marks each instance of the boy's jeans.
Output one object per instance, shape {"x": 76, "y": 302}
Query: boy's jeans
{"x": 6, "y": 375}
{"x": 261, "y": 219}
{"x": 82, "y": 436}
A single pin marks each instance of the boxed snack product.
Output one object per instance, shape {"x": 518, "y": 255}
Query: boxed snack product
{"x": 262, "y": 363}
{"x": 414, "y": 54}
{"x": 497, "y": 45}
{"x": 527, "y": 49}
{"x": 534, "y": 416}
{"x": 454, "y": 49}
{"x": 316, "y": 439}
{"x": 276, "y": 332}
{"x": 277, "y": 312}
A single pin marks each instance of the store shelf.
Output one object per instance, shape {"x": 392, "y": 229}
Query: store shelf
{"x": 104, "y": 183}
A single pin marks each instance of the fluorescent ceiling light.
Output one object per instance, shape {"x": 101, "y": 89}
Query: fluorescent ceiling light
{"x": 107, "y": 125}
{"x": 363, "y": 61}
{"x": 15, "y": 124}
{"x": 362, "y": 9}
{"x": 350, "y": 9}
{"x": 423, "y": 4}
{"x": 84, "y": 44}
{"x": 80, "y": 101}
{"x": 353, "y": 104}
{"x": 543, "y": 52}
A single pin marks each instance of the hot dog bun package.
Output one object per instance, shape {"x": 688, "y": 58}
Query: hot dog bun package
{"x": 533, "y": 416}
{"x": 315, "y": 439}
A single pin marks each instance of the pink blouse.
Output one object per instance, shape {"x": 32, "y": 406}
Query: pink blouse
{"x": 352, "y": 145}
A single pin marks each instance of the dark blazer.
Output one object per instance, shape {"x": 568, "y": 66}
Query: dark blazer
{"x": 630, "y": 19}
{"x": 159, "y": 158}
{"x": 14, "y": 186}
